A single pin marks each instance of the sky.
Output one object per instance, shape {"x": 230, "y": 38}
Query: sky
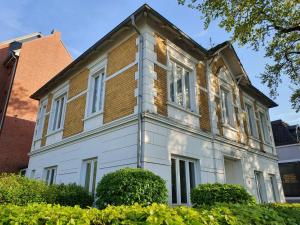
{"x": 82, "y": 23}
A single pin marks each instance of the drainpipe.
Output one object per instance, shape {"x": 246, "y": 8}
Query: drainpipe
{"x": 213, "y": 137}
{"x": 9, "y": 89}
{"x": 140, "y": 146}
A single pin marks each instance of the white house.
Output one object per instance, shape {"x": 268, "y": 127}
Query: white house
{"x": 146, "y": 95}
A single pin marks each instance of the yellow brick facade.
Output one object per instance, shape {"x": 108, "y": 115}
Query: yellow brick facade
{"x": 78, "y": 83}
{"x": 120, "y": 99}
{"x": 160, "y": 85}
{"x": 160, "y": 49}
{"x": 122, "y": 55}
{"x": 74, "y": 116}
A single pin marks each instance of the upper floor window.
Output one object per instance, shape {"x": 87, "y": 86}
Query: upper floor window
{"x": 58, "y": 112}
{"x": 251, "y": 120}
{"x": 227, "y": 112}
{"x": 180, "y": 86}
{"x": 40, "y": 120}
{"x": 264, "y": 127}
{"x": 96, "y": 94}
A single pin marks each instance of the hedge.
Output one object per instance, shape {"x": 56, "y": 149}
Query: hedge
{"x": 20, "y": 190}
{"x": 220, "y": 214}
{"x": 209, "y": 194}
{"x": 131, "y": 185}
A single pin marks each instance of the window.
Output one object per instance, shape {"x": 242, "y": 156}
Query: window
{"x": 97, "y": 82}
{"x": 182, "y": 179}
{"x": 32, "y": 174}
{"x": 58, "y": 112}
{"x": 251, "y": 120}
{"x": 227, "y": 113}
{"x": 50, "y": 175}
{"x": 264, "y": 127}
{"x": 40, "y": 120}
{"x": 260, "y": 187}
{"x": 180, "y": 86}
{"x": 90, "y": 173}
{"x": 274, "y": 187}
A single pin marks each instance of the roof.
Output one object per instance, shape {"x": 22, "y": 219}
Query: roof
{"x": 150, "y": 12}
{"x": 22, "y": 39}
{"x": 284, "y": 134}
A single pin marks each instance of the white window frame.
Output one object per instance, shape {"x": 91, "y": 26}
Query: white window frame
{"x": 32, "y": 174}
{"x": 101, "y": 73}
{"x": 62, "y": 92}
{"x": 251, "y": 120}
{"x": 187, "y": 178}
{"x": 264, "y": 127}
{"x": 172, "y": 80}
{"x": 41, "y": 119}
{"x": 227, "y": 108}
{"x": 50, "y": 175}
{"x": 92, "y": 183}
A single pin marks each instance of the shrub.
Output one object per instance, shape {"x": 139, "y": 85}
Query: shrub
{"x": 70, "y": 195}
{"x": 128, "y": 186}
{"x": 209, "y": 194}
{"x": 219, "y": 214}
{"x": 21, "y": 190}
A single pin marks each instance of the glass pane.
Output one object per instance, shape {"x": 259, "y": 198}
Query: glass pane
{"x": 273, "y": 183}
{"x": 95, "y": 94}
{"x": 101, "y": 91}
{"x": 87, "y": 176}
{"x": 183, "y": 190}
{"x": 52, "y": 176}
{"x": 94, "y": 177}
{"x": 60, "y": 112}
{"x": 173, "y": 181}
{"x": 187, "y": 89}
{"x": 47, "y": 176}
{"x": 55, "y": 114}
{"x": 192, "y": 175}
{"x": 179, "y": 85}
{"x": 172, "y": 94}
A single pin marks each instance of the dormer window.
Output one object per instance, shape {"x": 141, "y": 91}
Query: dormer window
{"x": 180, "y": 85}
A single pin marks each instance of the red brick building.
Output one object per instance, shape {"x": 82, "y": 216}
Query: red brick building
{"x": 26, "y": 63}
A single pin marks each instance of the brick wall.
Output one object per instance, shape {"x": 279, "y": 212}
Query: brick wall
{"x": 203, "y": 98}
{"x": 122, "y": 55}
{"x": 120, "y": 99}
{"x": 160, "y": 85}
{"x": 78, "y": 83}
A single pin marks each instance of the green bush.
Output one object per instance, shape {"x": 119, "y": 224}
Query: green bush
{"x": 208, "y": 194}
{"x": 70, "y": 195}
{"x": 219, "y": 214}
{"x": 20, "y": 190}
{"x": 128, "y": 186}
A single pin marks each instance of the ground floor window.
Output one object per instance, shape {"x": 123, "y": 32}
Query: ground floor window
{"x": 90, "y": 173}
{"x": 260, "y": 186}
{"x": 50, "y": 175}
{"x": 274, "y": 187}
{"x": 182, "y": 179}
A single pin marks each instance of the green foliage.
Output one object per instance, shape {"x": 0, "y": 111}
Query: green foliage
{"x": 128, "y": 186}
{"x": 273, "y": 25}
{"x": 289, "y": 211}
{"x": 221, "y": 214}
{"x": 209, "y": 194}
{"x": 69, "y": 195}
{"x": 20, "y": 190}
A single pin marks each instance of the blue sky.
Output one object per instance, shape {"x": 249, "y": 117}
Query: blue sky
{"x": 82, "y": 23}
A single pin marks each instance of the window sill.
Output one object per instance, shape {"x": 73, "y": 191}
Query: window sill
{"x": 54, "y": 132}
{"x": 183, "y": 109}
{"x": 229, "y": 127}
{"x": 90, "y": 116}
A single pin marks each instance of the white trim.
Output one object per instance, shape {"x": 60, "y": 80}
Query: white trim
{"x": 284, "y": 146}
{"x": 182, "y": 109}
{"x": 289, "y": 161}
{"x": 77, "y": 96}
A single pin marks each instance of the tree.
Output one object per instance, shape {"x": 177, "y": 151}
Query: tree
{"x": 270, "y": 24}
